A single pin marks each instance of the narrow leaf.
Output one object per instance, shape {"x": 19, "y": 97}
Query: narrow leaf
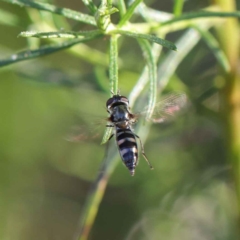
{"x": 57, "y": 10}
{"x": 214, "y": 46}
{"x": 202, "y": 14}
{"x": 152, "y": 74}
{"x": 152, "y": 15}
{"x": 143, "y": 79}
{"x": 60, "y": 34}
{"x": 44, "y": 50}
{"x": 148, "y": 37}
{"x": 90, "y": 5}
{"x": 129, "y": 13}
{"x": 171, "y": 61}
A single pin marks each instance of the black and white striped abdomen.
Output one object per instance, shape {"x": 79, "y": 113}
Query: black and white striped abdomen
{"x": 127, "y": 146}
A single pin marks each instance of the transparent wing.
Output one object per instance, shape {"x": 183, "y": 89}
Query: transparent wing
{"x": 90, "y": 128}
{"x": 86, "y": 130}
{"x": 168, "y": 107}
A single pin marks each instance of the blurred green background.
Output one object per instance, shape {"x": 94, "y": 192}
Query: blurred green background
{"x": 44, "y": 179}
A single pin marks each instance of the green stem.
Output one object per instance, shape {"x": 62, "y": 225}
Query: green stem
{"x": 122, "y": 7}
{"x": 178, "y": 6}
{"x": 113, "y": 64}
{"x": 109, "y": 3}
{"x": 229, "y": 36}
{"x": 113, "y": 75}
{"x": 96, "y": 193}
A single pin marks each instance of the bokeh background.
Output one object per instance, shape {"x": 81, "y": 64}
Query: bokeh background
{"x": 45, "y": 179}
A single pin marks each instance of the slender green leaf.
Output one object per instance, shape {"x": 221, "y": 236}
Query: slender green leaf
{"x": 171, "y": 61}
{"x": 148, "y": 37}
{"x": 60, "y": 34}
{"x": 57, "y": 10}
{"x": 202, "y": 14}
{"x": 90, "y": 5}
{"x": 215, "y": 47}
{"x": 152, "y": 15}
{"x": 129, "y": 12}
{"x": 152, "y": 74}
{"x": 143, "y": 79}
{"x": 44, "y": 50}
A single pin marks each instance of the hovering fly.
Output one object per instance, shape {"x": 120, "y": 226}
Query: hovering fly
{"x": 121, "y": 119}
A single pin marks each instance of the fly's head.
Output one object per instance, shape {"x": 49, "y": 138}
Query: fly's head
{"x": 116, "y": 100}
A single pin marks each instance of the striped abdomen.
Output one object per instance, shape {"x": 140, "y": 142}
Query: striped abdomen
{"x": 127, "y": 146}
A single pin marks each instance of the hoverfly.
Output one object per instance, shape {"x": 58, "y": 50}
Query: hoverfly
{"x": 121, "y": 119}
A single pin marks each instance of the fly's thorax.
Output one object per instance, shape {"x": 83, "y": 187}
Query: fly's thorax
{"x": 119, "y": 113}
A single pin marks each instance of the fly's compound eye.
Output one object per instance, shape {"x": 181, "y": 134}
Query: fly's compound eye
{"x": 109, "y": 102}
{"x": 116, "y": 100}
{"x": 124, "y": 100}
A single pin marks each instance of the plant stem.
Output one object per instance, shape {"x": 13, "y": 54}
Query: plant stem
{"x": 122, "y": 7}
{"x": 228, "y": 34}
{"x": 96, "y": 193}
{"x": 113, "y": 64}
{"x": 178, "y": 6}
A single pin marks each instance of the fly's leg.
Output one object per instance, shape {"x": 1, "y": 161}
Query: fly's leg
{"x": 110, "y": 137}
{"x": 143, "y": 153}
